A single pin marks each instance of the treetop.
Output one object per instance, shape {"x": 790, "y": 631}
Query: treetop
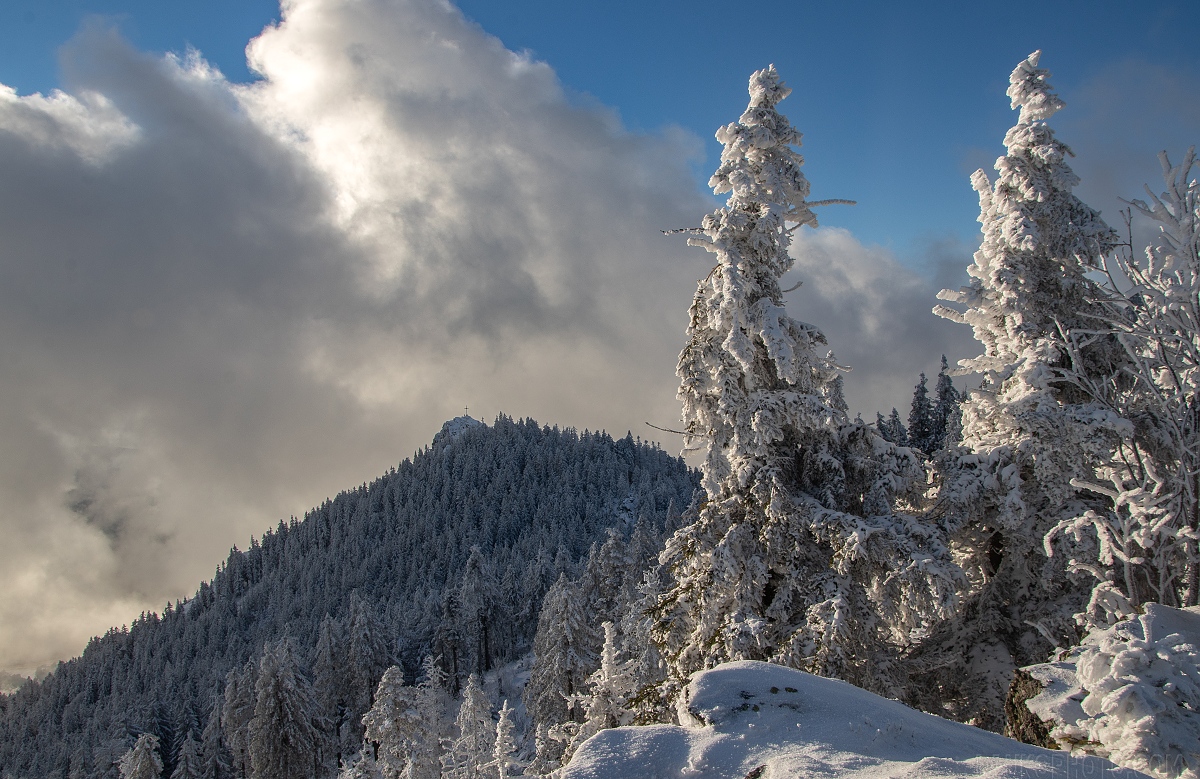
{"x": 1031, "y": 92}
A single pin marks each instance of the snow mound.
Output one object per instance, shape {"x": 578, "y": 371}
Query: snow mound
{"x": 759, "y": 720}
{"x": 1130, "y": 693}
{"x": 453, "y": 428}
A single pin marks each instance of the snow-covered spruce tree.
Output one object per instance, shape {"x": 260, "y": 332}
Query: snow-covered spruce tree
{"x": 407, "y": 723}
{"x": 563, "y": 661}
{"x": 1027, "y": 432}
{"x": 393, "y": 724}
{"x": 797, "y": 556}
{"x": 363, "y": 766}
{"x": 469, "y": 754}
{"x": 329, "y": 686}
{"x": 603, "y": 577}
{"x": 142, "y": 761}
{"x": 646, "y": 666}
{"x": 892, "y": 429}
{"x": 214, "y": 760}
{"x": 947, "y": 414}
{"x": 1129, "y": 693}
{"x": 447, "y": 640}
{"x": 610, "y": 688}
{"x": 433, "y": 704}
{"x": 285, "y": 734}
{"x": 367, "y": 657}
{"x": 1143, "y": 548}
{"x": 922, "y": 425}
{"x": 236, "y": 712}
{"x": 504, "y": 751}
{"x": 188, "y": 764}
{"x": 81, "y": 762}
{"x": 477, "y": 598}
{"x": 931, "y": 421}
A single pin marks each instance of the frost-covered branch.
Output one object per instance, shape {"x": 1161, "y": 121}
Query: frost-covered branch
{"x": 799, "y": 554}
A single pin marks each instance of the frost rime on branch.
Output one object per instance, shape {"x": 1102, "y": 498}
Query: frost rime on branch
{"x": 1028, "y": 433}
{"x": 797, "y": 555}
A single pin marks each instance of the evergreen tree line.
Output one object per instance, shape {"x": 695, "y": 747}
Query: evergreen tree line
{"x": 448, "y": 556}
{"x": 933, "y": 424}
{"x": 930, "y": 562}
{"x": 275, "y": 722}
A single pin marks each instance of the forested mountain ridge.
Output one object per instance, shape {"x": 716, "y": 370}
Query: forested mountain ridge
{"x": 450, "y": 553}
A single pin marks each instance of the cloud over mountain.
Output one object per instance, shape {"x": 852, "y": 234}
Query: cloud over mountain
{"x": 222, "y": 303}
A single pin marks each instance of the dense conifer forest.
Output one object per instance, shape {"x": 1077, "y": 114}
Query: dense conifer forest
{"x": 449, "y": 554}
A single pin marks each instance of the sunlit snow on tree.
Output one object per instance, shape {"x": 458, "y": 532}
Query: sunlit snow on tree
{"x": 1026, "y": 433}
{"x": 798, "y": 554}
{"x": 1143, "y": 546}
{"x": 142, "y": 761}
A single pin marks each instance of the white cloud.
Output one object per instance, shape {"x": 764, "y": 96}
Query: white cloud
{"x": 877, "y": 315}
{"x": 222, "y": 304}
{"x": 89, "y": 126}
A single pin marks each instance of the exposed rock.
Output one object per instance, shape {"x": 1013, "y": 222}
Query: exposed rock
{"x": 1023, "y": 724}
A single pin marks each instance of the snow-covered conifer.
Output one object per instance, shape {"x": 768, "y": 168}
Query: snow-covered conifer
{"x": 469, "y": 754}
{"x": 329, "y": 684}
{"x": 504, "y": 752}
{"x": 563, "y": 660}
{"x": 892, "y": 429}
{"x": 921, "y": 421}
{"x": 1129, "y": 693}
{"x": 81, "y": 760}
{"x": 600, "y": 585}
{"x": 285, "y": 733}
{"x": 432, "y": 703}
{"x": 947, "y": 416}
{"x": 111, "y": 747}
{"x": 610, "y": 688}
{"x": 367, "y": 656}
{"x": 547, "y": 751}
{"x": 143, "y": 760}
{"x": 214, "y": 760}
{"x": 447, "y": 641}
{"x": 477, "y": 598}
{"x": 236, "y": 712}
{"x": 157, "y": 719}
{"x": 188, "y": 764}
{"x": 395, "y": 724}
{"x": 536, "y": 582}
{"x": 1026, "y": 433}
{"x": 797, "y": 555}
{"x": 362, "y": 766}
{"x": 562, "y": 651}
{"x": 646, "y": 667}
{"x": 1142, "y": 547}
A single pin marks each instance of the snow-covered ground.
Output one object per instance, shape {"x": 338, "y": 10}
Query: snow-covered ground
{"x": 764, "y": 721}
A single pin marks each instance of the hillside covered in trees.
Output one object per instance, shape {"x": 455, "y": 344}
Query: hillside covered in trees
{"x": 450, "y": 553}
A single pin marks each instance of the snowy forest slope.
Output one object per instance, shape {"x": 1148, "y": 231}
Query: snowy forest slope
{"x": 510, "y": 506}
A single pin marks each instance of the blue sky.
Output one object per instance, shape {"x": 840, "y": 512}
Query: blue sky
{"x": 899, "y": 102}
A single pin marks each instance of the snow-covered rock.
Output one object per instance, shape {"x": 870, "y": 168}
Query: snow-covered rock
{"x": 453, "y": 428}
{"x": 751, "y": 719}
{"x": 1130, "y": 693}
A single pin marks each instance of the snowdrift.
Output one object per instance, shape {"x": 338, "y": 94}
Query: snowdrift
{"x": 764, "y": 721}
